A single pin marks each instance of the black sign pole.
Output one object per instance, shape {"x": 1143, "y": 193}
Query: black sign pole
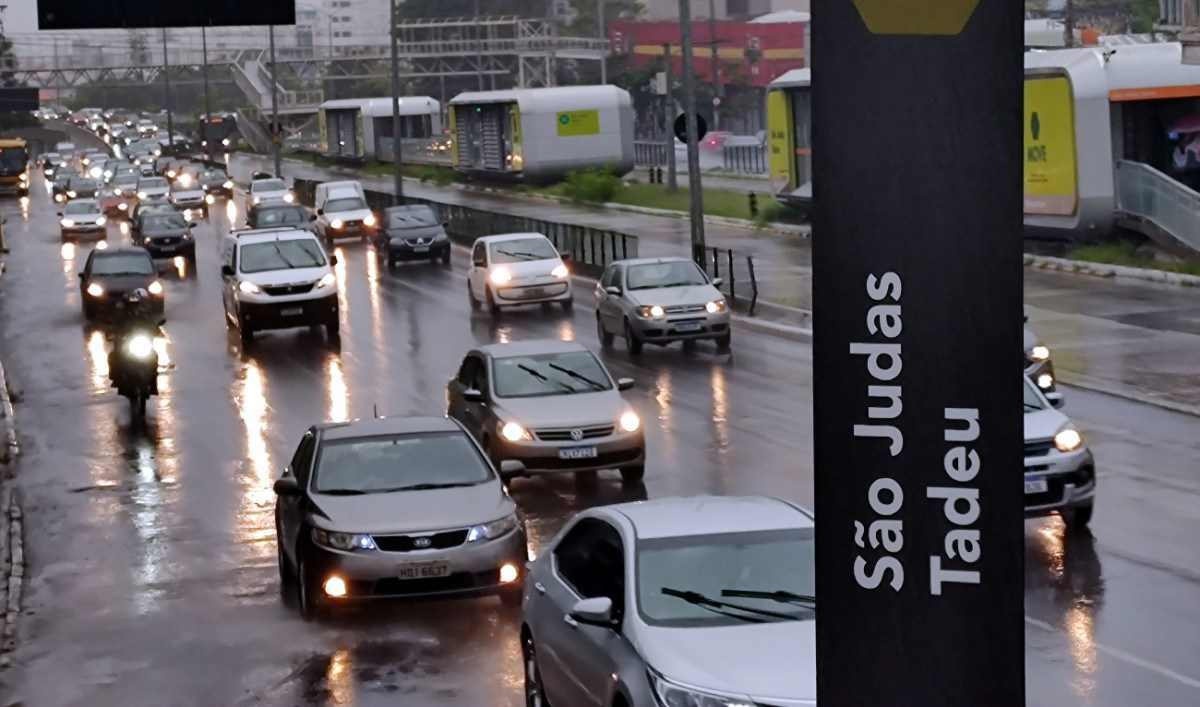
{"x": 917, "y": 327}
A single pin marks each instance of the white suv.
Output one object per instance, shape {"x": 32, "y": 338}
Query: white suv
{"x": 277, "y": 278}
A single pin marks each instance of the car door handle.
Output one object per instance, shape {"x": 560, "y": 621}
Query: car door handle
{"x": 541, "y": 588}
{"x": 568, "y": 620}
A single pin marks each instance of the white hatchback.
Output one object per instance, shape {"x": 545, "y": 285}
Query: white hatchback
{"x": 517, "y": 268}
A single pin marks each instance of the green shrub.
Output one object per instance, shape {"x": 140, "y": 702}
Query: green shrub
{"x": 592, "y": 185}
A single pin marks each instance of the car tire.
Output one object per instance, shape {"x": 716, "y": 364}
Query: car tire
{"x": 471, "y": 298}
{"x": 724, "y": 343}
{"x": 333, "y": 330}
{"x": 632, "y": 342}
{"x": 1079, "y": 517}
{"x": 534, "y": 695}
{"x": 510, "y": 597}
{"x": 633, "y": 474}
{"x": 568, "y": 305}
{"x": 606, "y": 338}
{"x": 492, "y": 305}
{"x": 247, "y": 334}
{"x": 287, "y": 578}
{"x": 308, "y": 600}
{"x": 446, "y": 257}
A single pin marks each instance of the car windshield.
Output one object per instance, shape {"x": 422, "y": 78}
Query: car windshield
{"x": 81, "y": 207}
{"x": 123, "y": 264}
{"x": 290, "y": 216}
{"x": 411, "y": 217}
{"x": 281, "y": 255}
{"x": 549, "y": 374}
{"x": 78, "y": 183}
{"x": 164, "y": 222}
{"x": 213, "y": 176}
{"x": 268, "y": 185}
{"x": 678, "y": 273}
{"x": 156, "y": 183}
{"x": 1033, "y": 400}
{"x": 352, "y": 203}
{"x": 124, "y": 180}
{"x": 761, "y": 561}
{"x": 13, "y": 158}
{"x": 522, "y": 249}
{"x": 398, "y": 462}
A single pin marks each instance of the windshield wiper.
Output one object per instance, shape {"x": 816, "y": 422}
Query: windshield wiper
{"x": 780, "y": 595}
{"x": 283, "y": 257}
{"x": 698, "y": 599}
{"x": 341, "y": 492}
{"x": 537, "y": 374}
{"x": 426, "y": 487}
{"x": 522, "y": 254}
{"x": 578, "y": 376}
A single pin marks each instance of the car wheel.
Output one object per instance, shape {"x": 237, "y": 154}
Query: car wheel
{"x": 307, "y": 599}
{"x": 471, "y": 298}
{"x": 568, "y": 305}
{"x": 333, "y": 330}
{"x": 287, "y": 578}
{"x": 493, "y": 306}
{"x": 724, "y": 342}
{"x": 534, "y": 696}
{"x": 606, "y": 339}
{"x": 446, "y": 257}
{"x": 633, "y": 474}
{"x": 1079, "y": 517}
{"x": 632, "y": 342}
{"x": 247, "y": 333}
{"x": 510, "y": 597}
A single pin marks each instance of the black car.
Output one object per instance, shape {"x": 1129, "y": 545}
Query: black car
{"x": 82, "y": 188}
{"x": 166, "y": 235}
{"x": 62, "y": 179}
{"x": 109, "y": 274}
{"x": 274, "y": 214}
{"x": 412, "y": 232}
{"x": 216, "y": 183}
{"x": 138, "y": 216}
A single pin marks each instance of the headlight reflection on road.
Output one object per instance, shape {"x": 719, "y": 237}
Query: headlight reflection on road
{"x": 338, "y": 396}
{"x": 720, "y": 408}
{"x": 339, "y": 677}
{"x": 67, "y": 251}
{"x": 180, "y": 264}
{"x": 231, "y": 212}
{"x": 97, "y": 350}
{"x": 251, "y": 399}
{"x": 566, "y": 330}
{"x": 1081, "y": 637}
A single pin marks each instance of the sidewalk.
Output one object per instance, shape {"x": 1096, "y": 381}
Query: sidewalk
{"x": 1138, "y": 340}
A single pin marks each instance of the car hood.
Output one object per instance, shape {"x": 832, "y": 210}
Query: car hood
{"x": 269, "y": 195}
{"x": 172, "y": 233}
{"x": 351, "y": 215}
{"x": 410, "y": 511}
{"x": 670, "y": 296}
{"x": 415, "y": 232}
{"x": 774, "y": 663}
{"x": 153, "y": 193}
{"x": 196, "y": 193}
{"x": 122, "y": 283}
{"x": 531, "y": 268}
{"x": 80, "y": 219}
{"x": 580, "y": 409}
{"x": 1043, "y": 424}
{"x": 293, "y": 276}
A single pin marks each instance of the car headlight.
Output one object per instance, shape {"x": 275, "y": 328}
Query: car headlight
{"x": 346, "y": 542}
{"x": 123, "y": 206}
{"x": 1039, "y": 353}
{"x": 717, "y": 305}
{"x": 290, "y": 197}
{"x": 328, "y": 280}
{"x": 155, "y": 288}
{"x": 513, "y": 432}
{"x": 493, "y": 530}
{"x": 1068, "y": 439}
{"x": 257, "y": 199}
{"x": 71, "y": 193}
{"x": 141, "y": 195}
{"x": 170, "y": 174}
{"x": 95, "y": 290}
{"x": 100, "y": 220}
{"x": 210, "y": 199}
{"x": 185, "y": 180}
{"x": 1045, "y": 381}
{"x": 228, "y": 184}
{"x": 672, "y": 694}
{"x": 501, "y": 276}
{"x": 225, "y": 142}
{"x": 369, "y": 220}
{"x": 95, "y": 172}
{"x": 67, "y": 223}
{"x": 630, "y": 422}
{"x": 249, "y": 288}
{"x": 60, "y": 197}
{"x": 336, "y": 224}
{"x": 140, "y": 346}
{"x": 652, "y": 311}
{"x": 560, "y": 271}
{"x": 116, "y": 191}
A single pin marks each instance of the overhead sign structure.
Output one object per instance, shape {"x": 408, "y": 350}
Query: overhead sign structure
{"x": 917, "y": 327}
{"x": 1051, "y": 185}
{"x": 98, "y": 14}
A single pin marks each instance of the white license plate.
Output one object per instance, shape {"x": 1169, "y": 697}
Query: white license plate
{"x": 534, "y": 292}
{"x": 1036, "y": 486}
{"x": 291, "y": 312}
{"x": 421, "y": 249}
{"x": 423, "y": 570}
{"x": 688, "y": 326}
{"x": 577, "y": 453}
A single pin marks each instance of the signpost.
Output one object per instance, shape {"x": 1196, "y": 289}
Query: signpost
{"x": 917, "y": 327}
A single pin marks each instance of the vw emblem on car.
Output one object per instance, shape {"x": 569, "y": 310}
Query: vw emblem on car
{"x": 422, "y": 542}
{"x": 577, "y": 434}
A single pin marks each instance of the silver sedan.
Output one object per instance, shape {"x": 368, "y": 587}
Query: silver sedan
{"x": 660, "y": 301}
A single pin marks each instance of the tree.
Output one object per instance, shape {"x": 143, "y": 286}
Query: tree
{"x": 8, "y": 62}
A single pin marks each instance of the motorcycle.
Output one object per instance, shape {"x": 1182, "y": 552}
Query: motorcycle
{"x": 133, "y": 361}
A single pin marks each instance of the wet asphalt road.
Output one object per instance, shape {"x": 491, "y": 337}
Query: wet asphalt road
{"x": 152, "y": 576}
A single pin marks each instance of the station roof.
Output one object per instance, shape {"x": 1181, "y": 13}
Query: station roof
{"x": 557, "y": 98}
{"x": 381, "y": 107}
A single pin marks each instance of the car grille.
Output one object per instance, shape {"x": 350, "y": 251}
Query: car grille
{"x": 351, "y": 224}
{"x": 418, "y": 241}
{"x": 407, "y": 543}
{"x": 611, "y": 460}
{"x": 564, "y": 434}
{"x": 684, "y": 308}
{"x": 169, "y": 240}
{"x": 1038, "y": 447}
{"x": 288, "y": 289}
{"x": 457, "y": 582}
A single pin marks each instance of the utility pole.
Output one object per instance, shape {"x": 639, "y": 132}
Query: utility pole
{"x": 167, "y": 93}
{"x": 276, "y": 133}
{"x": 600, "y": 34}
{"x": 205, "y": 133}
{"x": 696, "y": 209}
{"x": 397, "y": 149}
{"x": 715, "y": 67}
{"x": 669, "y": 120}
{"x": 1069, "y": 24}
{"x": 479, "y": 44}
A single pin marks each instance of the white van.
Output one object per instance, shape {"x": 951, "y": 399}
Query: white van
{"x": 342, "y": 211}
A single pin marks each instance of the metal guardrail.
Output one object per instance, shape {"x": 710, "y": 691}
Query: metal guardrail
{"x": 725, "y": 264}
{"x": 747, "y": 159}
{"x": 1152, "y": 196}
{"x": 649, "y": 153}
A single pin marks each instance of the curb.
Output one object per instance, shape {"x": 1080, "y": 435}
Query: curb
{"x": 12, "y": 547}
{"x": 1078, "y": 380}
{"x": 766, "y": 326}
{"x": 12, "y": 448}
{"x": 1083, "y": 267}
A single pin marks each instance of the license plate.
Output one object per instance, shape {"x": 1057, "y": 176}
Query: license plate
{"x": 533, "y": 292}
{"x": 420, "y": 249}
{"x": 577, "y": 453}
{"x": 688, "y": 326}
{"x": 291, "y": 312}
{"x": 1036, "y": 486}
{"x": 423, "y": 570}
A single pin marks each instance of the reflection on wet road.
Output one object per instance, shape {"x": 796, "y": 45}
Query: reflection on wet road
{"x": 154, "y": 557}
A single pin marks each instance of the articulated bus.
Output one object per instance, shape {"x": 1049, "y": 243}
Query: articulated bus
{"x": 1094, "y": 117}
{"x": 14, "y": 166}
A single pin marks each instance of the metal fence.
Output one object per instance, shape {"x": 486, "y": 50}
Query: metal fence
{"x": 648, "y": 153}
{"x": 736, "y": 272}
{"x": 1150, "y": 195}
{"x": 747, "y": 159}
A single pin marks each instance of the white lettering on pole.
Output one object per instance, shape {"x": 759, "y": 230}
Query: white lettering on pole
{"x": 960, "y": 504}
{"x": 885, "y": 496}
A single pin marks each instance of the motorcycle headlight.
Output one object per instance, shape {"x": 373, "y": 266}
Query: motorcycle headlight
{"x": 1068, "y": 439}
{"x": 346, "y": 542}
{"x": 225, "y": 142}
{"x": 501, "y": 276}
{"x": 336, "y": 224}
{"x": 513, "y": 432}
{"x": 671, "y": 694}
{"x": 717, "y": 305}
{"x": 155, "y": 288}
{"x": 369, "y": 221}
{"x": 493, "y": 530}
{"x": 140, "y": 346}
{"x": 67, "y": 223}
{"x": 652, "y": 311}
{"x": 95, "y": 290}
{"x": 249, "y": 288}
{"x": 1039, "y": 353}
{"x": 630, "y": 422}
{"x": 560, "y": 271}
{"x": 289, "y": 197}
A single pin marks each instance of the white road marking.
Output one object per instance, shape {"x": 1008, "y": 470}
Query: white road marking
{"x": 1125, "y": 657}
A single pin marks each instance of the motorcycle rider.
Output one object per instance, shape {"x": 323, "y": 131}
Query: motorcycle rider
{"x": 133, "y": 362}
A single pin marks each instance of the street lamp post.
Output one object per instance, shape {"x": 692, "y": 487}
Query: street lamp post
{"x": 206, "y": 123}
{"x": 397, "y": 149}
{"x": 167, "y": 93}
{"x": 600, "y": 34}
{"x": 696, "y": 199}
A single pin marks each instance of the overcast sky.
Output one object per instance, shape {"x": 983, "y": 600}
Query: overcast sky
{"x": 21, "y": 15}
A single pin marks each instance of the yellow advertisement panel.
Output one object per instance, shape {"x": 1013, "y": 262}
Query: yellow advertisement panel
{"x": 779, "y": 141}
{"x": 573, "y": 123}
{"x": 1051, "y": 185}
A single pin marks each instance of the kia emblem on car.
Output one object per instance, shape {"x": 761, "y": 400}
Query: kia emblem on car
{"x": 576, "y": 434}
{"x": 422, "y": 542}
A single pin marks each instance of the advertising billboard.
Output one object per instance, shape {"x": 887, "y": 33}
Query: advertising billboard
{"x": 1051, "y": 186}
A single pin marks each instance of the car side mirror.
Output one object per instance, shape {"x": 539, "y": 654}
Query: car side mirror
{"x": 510, "y": 468}
{"x": 333, "y": 260}
{"x": 596, "y": 611}
{"x": 473, "y": 395}
{"x": 226, "y": 271}
{"x": 565, "y": 256}
{"x": 80, "y": 276}
{"x": 287, "y": 486}
{"x": 613, "y": 290}
{"x": 1057, "y": 400}
{"x": 716, "y": 281}
{"x": 312, "y": 217}
{"x": 625, "y": 383}
{"x": 320, "y": 212}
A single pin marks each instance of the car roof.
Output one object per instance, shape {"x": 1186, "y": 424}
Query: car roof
{"x": 372, "y": 427}
{"x": 124, "y": 250}
{"x": 696, "y": 515}
{"x": 274, "y": 233}
{"x": 651, "y": 261}
{"x": 342, "y": 193}
{"x": 84, "y": 202}
{"x": 500, "y": 237}
{"x": 531, "y": 348}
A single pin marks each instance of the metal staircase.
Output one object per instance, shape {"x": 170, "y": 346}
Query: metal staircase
{"x": 1158, "y": 206}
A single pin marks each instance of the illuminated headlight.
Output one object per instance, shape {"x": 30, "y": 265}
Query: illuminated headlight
{"x": 210, "y": 199}
{"x": 228, "y": 184}
{"x": 1039, "y": 353}
{"x": 290, "y": 197}
{"x": 60, "y": 197}
{"x": 158, "y": 153}
{"x": 155, "y": 288}
{"x": 170, "y": 174}
{"x": 335, "y": 587}
{"x": 187, "y": 214}
{"x": 48, "y": 171}
{"x": 185, "y": 180}
{"x": 108, "y": 175}
{"x": 336, "y": 224}
{"x": 501, "y": 276}
{"x": 100, "y": 220}
{"x": 249, "y": 288}
{"x": 513, "y": 432}
{"x": 652, "y": 311}
{"x": 1045, "y": 381}
{"x": 493, "y": 530}
{"x": 346, "y": 542}
{"x": 369, "y": 221}
{"x": 116, "y": 191}
{"x": 560, "y": 271}
{"x": 673, "y": 694}
{"x": 71, "y": 193}
{"x": 630, "y": 422}
{"x": 123, "y": 206}
{"x": 140, "y": 346}
{"x": 1068, "y": 439}
{"x": 141, "y": 195}
{"x": 327, "y": 281}
{"x": 717, "y": 305}
{"x": 102, "y": 245}
{"x": 67, "y": 223}
{"x": 204, "y": 143}
{"x": 95, "y": 290}
{"x": 257, "y": 199}
{"x": 225, "y": 142}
